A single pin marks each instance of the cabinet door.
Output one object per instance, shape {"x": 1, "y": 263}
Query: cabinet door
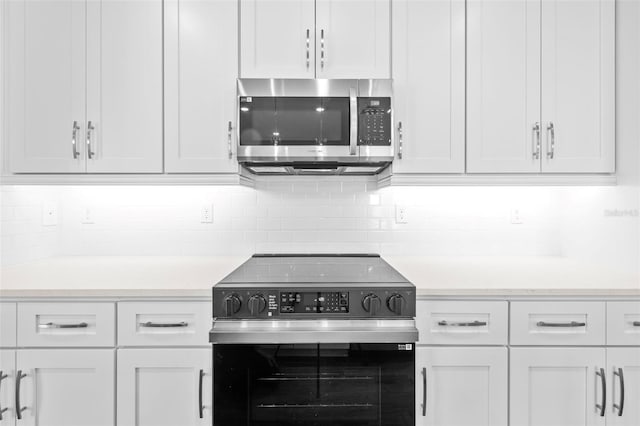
{"x": 623, "y": 370}
{"x": 461, "y": 386}
{"x": 124, "y": 86}
{"x": 503, "y": 86}
{"x": 164, "y": 387}
{"x": 429, "y": 80}
{"x": 277, "y": 38}
{"x": 353, "y": 38}
{"x": 46, "y": 85}
{"x": 67, "y": 387}
{"x": 7, "y": 386}
{"x": 556, "y": 386}
{"x": 578, "y": 85}
{"x": 8, "y": 324}
{"x": 201, "y": 67}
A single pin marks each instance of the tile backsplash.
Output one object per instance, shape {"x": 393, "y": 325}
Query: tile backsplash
{"x": 322, "y": 215}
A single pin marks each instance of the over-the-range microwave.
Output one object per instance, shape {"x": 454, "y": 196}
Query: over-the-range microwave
{"x": 313, "y": 127}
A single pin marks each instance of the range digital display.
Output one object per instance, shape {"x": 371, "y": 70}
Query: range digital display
{"x": 314, "y": 302}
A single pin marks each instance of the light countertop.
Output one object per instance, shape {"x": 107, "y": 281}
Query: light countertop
{"x": 193, "y": 276}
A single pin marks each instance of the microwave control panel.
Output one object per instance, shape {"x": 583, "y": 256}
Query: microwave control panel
{"x": 374, "y": 121}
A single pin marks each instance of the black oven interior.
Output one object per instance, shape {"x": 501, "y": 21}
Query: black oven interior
{"x": 314, "y": 385}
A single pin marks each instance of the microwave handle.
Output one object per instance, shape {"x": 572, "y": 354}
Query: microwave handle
{"x": 353, "y": 128}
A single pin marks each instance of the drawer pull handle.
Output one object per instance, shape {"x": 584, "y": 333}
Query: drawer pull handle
{"x": 19, "y": 407}
{"x": 2, "y": 377}
{"x": 636, "y": 323}
{"x": 424, "y": 392}
{"x": 620, "y": 406}
{"x": 462, "y": 324}
{"x": 54, "y": 325}
{"x": 150, "y": 324}
{"x": 200, "y": 405}
{"x": 561, "y": 324}
{"x": 603, "y": 380}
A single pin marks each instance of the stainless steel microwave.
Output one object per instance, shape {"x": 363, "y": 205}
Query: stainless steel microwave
{"x": 305, "y": 126}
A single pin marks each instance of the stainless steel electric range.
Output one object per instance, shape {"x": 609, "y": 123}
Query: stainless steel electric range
{"x": 314, "y": 340}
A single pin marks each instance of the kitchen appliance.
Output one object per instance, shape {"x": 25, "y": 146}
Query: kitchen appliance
{"x": 305, "y": 126}
{"x": 314, "y": 340}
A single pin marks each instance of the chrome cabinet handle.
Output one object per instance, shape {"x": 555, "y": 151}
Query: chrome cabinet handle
{"x": 399, "y": 140}
{"x": 620, "y": 406}
{"x": 535, "y": 137}
{"x": 90, "y": 129}
{"x": 2, "y": 377}
{"x": 229, "y": 136}
{"x": 308, "y": 49}
{"x": 551, "y": 130}
{"x": 603, "y": 381}
{"x": 200, "y": 405}
{"x": 561, "y": 324}
{"x": 74, "y": 140}
{"x": 353, "y": 110}
{"x": 150, "y": 324}
{"x": 19, "y": 407}
{"x": 424, "y": 392}
{"x": 322, "y": 55}
{"x": 54, "y": 325}
{"x": 463, "y": 324}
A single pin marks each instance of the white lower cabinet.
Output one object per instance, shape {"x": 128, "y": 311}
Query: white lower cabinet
{"x": 65, "y": 387}
{"x": 164, "y": 387}
{"x": 557, "y": 386}
{"x": 7, "y": 386}
{"x": 623, "y": 374}
{"x": 461, "y": 386}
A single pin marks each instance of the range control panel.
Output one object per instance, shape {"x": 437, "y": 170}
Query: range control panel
{"x": 252, "y": 303}
{"x": 374, "y": 121}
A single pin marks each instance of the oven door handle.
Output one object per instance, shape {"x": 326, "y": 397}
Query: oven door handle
{"x": 353, "y": 127}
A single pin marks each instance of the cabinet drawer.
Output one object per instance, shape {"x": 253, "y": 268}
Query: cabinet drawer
{"x": 558, "y": 323}
{"x": 623, "y": 323}
{"x": 164, "y": 323}
{"x": 7, "y": 324}
{"x": 66, "y": 324}
{"x": 463, "y": 323}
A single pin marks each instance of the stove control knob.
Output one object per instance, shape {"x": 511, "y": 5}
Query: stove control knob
{"x": 371, "y": 304}
{"x": 232, "y": 305}
{"x": 256, "y": 303}
{"x": 396, "y": 304}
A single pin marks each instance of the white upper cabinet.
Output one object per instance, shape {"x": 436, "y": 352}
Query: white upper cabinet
{"x": 201, "y": 67}
{"x": 503, "y": 86}
{"x": 315, "y": 39}
{"x": 124, "y": 86}
{"x": 46, "y": 85}
{"x": 578, "y": 85}
{"x": 429, "y": 81}
{"x": 541, "y": 86}
{"x": 353, "y": 38}
{"x": 277, "y": 38}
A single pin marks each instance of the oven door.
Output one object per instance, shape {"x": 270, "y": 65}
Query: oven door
{"x": 347, "y": 384}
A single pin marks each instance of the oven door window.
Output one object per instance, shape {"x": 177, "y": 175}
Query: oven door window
{"x": 314, "y": 385}
{"x": 288, "y": 121}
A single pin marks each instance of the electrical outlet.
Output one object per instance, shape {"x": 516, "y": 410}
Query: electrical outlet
{"x": 402, "y": 214}
{"x": 87, "y": 216}
{"x": 516, "y": 217}
{"x": 206, "y": 214}
{"x": 49, "y": 214}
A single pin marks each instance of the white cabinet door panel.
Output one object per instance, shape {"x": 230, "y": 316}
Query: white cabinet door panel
{"x": 556, "y": 386}
{"x": 578, "y": 85}
{"x": 67, "y": 387}
{"x": 276, "y": 38}
{"x": 7, "y": 386}
{"x": 429, "y": 85}
{"x": 160, "y": 387}
{"x": 46, "y": 73}
{"x": 7, "y": 324}
{"x": 503, "y": 85}
{"x": 201, "y": 67}
{"x": 124, "y": 87}
{"x": 464, "y": 386}
{"x": 623, "y": 372}
{"x": 353, "y": 38}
